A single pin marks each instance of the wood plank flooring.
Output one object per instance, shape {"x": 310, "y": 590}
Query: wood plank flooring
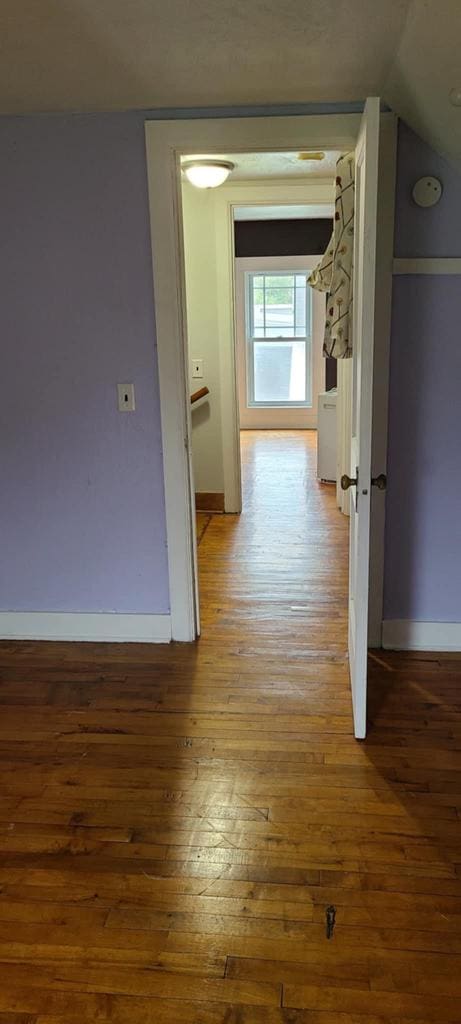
{"x": 175, "y": 821}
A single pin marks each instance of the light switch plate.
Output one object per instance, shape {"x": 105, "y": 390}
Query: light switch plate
{"x": 197, "y": 367}
{"x": 125, "y": 394}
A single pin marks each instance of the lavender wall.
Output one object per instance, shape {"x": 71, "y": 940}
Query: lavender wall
{"x": 423, "y": 528}
{"x": 82, "y": 516}
{"x": 82, "y": 511}
{"x": 435, "y": 231}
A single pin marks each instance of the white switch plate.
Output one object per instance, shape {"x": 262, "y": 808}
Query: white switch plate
{"x": 125, "y": 394}
{"x": 197, "y": 367}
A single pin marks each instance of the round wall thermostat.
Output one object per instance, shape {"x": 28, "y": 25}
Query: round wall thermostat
{"x": 427, "y": 191}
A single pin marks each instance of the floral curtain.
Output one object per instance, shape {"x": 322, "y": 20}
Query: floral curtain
{"x": 335, "y": 271}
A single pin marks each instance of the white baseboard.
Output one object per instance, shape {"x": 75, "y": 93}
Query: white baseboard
{"x": 408, "y": 635}
{"x": 96, "y": 627}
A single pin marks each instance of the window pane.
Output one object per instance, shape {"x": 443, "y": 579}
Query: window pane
{"x": 278, "y": 306}
{"x": 279, "y": 280}
{"x": 258, "y": 309}
{"x": 279, "y": 371}
{"x": 279, "y": 296}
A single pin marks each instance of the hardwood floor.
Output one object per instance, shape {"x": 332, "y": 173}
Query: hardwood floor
{"x": 175, "y": 821}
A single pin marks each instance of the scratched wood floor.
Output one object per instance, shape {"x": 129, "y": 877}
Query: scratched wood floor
{"x": 175, "y": 821}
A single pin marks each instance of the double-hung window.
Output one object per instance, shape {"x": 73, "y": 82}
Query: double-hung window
{"x": 278, "y": 339}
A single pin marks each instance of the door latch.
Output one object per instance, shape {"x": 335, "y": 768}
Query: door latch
{"x": 379, "y": 481}
{"x": 348, "y": 481}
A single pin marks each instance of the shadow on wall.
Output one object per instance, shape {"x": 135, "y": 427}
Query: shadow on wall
{"x": 423, "y": 507}
{"x": 200, "y": 414}
{"x": 423, "y": 523}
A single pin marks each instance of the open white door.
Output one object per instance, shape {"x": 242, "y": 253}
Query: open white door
{"x": 366, "y": 209}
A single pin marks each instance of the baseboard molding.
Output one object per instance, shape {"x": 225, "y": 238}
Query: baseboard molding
{"x": 408, "y": 635}
{"x": 209, "y": 501}
{"x": 108, "y": 627}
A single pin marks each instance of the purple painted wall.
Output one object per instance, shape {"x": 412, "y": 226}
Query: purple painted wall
{"x": 82, "y": 511}
{"x": 423, "y": 511}
{"x": 435, "y": 231}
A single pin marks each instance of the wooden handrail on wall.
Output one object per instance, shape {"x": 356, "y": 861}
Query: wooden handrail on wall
{"x": 199, "y": 394}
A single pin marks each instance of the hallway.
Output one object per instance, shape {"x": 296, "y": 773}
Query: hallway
{"x": 175, "y": 821}
{"x": 275, "y": 578}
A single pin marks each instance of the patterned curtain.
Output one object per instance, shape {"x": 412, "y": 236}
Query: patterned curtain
{"x": 335, "y": 270}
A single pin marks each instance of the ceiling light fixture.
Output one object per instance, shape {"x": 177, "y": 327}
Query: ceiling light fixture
{"x": 207, "y": 173}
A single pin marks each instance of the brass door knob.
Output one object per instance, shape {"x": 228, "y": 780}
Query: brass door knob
{"x": 379, "y": 481}
{"x": 348, "y": 481}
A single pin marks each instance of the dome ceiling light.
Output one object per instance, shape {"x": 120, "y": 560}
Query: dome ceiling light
{"x": 207, "y": 173}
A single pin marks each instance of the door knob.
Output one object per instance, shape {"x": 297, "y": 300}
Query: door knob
{"x": 379, "y": 481}
{"x": 348, "y": 481}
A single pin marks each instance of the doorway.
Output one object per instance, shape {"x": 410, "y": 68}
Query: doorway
{"x": 276, "y": 564}
{"x": 277, "y": 319}
{"x": 166, "y": 143}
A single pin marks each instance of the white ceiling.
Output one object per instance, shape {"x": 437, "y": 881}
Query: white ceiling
{"x": 283, "y": 212}
{"x": 250, "y": 166}
{"x": 281, "y": 165}
{"x": 87, "y": 55}
{"x": 116, "y": 54}
{"x": 426, "y": 67}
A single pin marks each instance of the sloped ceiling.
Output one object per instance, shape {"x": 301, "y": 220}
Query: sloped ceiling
{"x": 92, "y": 55}
{"x": 66, "y": 55}
{"x": 427, "y": 66}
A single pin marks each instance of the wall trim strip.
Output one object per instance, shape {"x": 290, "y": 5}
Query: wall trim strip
{"x": 427, "y": 266}
{"x": 409, "y": 635}
{"x": 99, "y": 627}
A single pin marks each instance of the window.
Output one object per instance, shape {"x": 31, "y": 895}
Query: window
{"x": 278, "y": 329}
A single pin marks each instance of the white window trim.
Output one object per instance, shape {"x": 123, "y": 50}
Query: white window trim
{"x": 252, "y": 339}
{"x": 281, "y": 417}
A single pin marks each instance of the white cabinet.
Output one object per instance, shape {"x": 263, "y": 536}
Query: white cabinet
{"x": 326, "y": 435}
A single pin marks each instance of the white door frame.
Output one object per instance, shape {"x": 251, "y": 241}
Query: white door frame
{"x": 166, "y": 141}
{"x": 381, "y": 365}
